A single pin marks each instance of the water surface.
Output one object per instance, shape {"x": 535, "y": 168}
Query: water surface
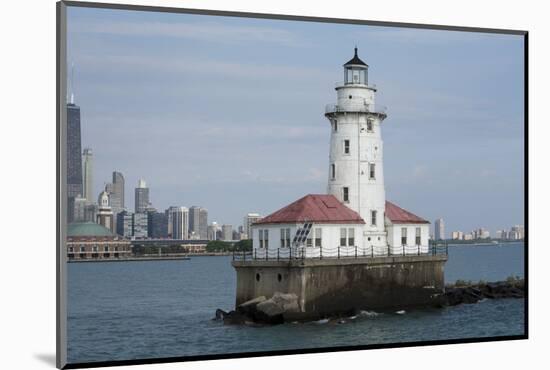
{"x": 144, "y": 309}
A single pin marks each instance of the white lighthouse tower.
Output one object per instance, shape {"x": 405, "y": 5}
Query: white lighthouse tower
{"x": 356, "y": 175}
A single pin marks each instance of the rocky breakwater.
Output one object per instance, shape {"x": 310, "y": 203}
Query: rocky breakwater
{"x": 283, "y": 307}
{"x": 468, "y": 292}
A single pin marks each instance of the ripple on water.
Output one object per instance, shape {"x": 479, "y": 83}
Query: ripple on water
{"x": 163, "y": 309}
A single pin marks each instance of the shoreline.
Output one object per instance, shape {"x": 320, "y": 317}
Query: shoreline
{"x": 183, "y": 257}
{"x": 131, "y": 259}
{"x": 484, "y": 244}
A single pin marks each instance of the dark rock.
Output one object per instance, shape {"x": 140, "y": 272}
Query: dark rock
{"x": 472, "y": 294}
{"x": 249, "y": 308}
{"x": 270, "y": 313}
{"x": 276, "y": 310}
{"x": 235, "y": 318}
{"x": 220, "y": 314}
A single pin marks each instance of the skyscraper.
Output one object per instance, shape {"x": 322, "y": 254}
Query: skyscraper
{"x": 140, "y": 225}
{"x": 249, "y": 219}
{"x": 157, "y": 225}
{"x": 194, "y": 218}
{"x": 203, "y": 223}
{"x": 168, "y": 213}
{"x": 227, "y": 232}
{"x": 180, "y": 222}
{"x": 141, "y": 197}
{"x": 87, "y": 173}
{"x": 125, "y": 224}
{"x": 439, "y": 232}
{"x": 79, "y": 213}
{"x": 214, "y": 231}
{"x": 117, "y": 195}
{"x": 198, "y": 222}
{"x": 74, "y": 159}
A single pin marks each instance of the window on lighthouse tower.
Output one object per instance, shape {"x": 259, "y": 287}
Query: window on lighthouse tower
{"x": 345, "y": 194}
{"x": 369, "y": 125}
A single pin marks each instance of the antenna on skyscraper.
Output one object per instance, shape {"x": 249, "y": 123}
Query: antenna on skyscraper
{"x": 71, "y": 83}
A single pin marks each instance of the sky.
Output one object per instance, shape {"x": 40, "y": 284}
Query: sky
{"x": 228, "y": 113}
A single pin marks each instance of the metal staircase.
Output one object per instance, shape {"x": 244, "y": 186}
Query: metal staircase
{"x": 302, "y": 234}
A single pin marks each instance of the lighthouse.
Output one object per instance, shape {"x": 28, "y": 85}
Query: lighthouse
{"x": 350, "y": 248}
{"x": 356, "y": 175}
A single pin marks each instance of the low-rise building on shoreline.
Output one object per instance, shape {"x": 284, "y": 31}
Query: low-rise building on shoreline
{"x": 88, "y": 240}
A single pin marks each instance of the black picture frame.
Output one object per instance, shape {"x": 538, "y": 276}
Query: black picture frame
{"x": 61, "y": 90}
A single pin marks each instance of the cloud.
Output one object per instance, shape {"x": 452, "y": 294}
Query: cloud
{"x": 187, "y": 65}
{"x": 424, "y": 37}
{"x": 203, "y": 31}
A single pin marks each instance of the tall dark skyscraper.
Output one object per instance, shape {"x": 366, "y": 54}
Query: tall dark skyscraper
{"x": 74, "y": 158}
{"x": 157, "y": 225}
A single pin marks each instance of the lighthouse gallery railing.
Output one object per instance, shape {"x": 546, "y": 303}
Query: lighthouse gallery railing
{"x": 362, "y": 108}
{"x": 278, "y": 254}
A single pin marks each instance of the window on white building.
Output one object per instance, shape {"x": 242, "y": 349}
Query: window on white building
{"x": 346, "y": 146}
{"x": 333, "y": 171}
{"x": 345, "y": 194}
{"x": 373, "y": 218}
{"x": 71, "y": 249}
{"x": 351, "y": 237}
{"x": 369, "y": 125}
{"x": 283, "y": 238}
{"x": 288, "y": 237}
{"x": 343, "y": 236}
{"x": 261, "y": 238}
{"x": 417, "y": 236}
{"x": 106, "y": 249}
{"x": 266, "y": 238}
{"x": 403, "y": 236}
{"x": 335, "y": 126}
{"x": 82, "y": 249}
{"x": 309, "y": 240}
{"x": 372, "y": 171}
{"x": 318, "y": 236}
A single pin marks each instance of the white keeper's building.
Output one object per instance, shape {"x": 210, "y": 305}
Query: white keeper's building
{"x": 354, "y": 218}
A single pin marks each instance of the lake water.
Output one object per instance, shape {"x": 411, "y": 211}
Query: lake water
{"x": 145, "y": 309}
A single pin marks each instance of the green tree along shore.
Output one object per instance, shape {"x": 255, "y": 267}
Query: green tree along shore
{"x": 214, "y": 246}
{"x": 220, "y": 246}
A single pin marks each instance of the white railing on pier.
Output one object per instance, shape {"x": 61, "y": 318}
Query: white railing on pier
{"x": 303, "y": 252}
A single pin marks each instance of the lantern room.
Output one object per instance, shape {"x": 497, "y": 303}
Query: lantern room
{"x": 356, "y": 71}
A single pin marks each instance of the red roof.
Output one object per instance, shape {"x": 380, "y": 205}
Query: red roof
{"x": 398, "y": 215}
{"x": 318, "y": 208}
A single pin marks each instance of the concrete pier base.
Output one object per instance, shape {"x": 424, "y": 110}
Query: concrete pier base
{"x": 332, "y": 286}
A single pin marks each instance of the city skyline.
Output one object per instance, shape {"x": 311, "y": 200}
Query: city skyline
{"x": 458, "y": 143}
